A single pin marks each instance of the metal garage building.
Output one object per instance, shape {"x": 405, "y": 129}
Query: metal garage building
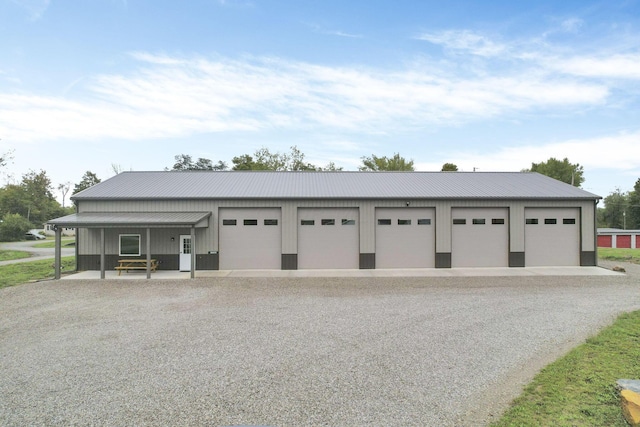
{"x": 333, "y": 220}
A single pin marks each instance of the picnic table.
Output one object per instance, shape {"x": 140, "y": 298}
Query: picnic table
{"x": 135, "y": 264}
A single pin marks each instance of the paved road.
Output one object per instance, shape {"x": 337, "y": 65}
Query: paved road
{"x": 289, "y": 352}
{"x": 36, "y": 253}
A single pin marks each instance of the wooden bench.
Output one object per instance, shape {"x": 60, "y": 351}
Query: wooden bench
{"x": 135, "y": 264}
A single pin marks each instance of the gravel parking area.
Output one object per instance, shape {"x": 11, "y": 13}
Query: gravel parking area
{"x": 434, "y": 351}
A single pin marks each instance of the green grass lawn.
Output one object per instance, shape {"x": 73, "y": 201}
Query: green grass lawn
{"x": 15, "y": 274}
{"x": 9, "y": 255}
{"x": 68, "y": 241}
{"x": 579, "y": 388}
{"x": 620, "y": 254}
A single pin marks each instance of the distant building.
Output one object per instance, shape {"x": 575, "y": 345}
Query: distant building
{"x": 66, "y": 231}
{"x": 618, "y": 238}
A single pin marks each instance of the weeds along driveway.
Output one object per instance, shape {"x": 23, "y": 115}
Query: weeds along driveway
{"x": 289, "y": 352}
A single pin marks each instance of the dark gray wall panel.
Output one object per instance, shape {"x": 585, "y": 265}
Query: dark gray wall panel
{"x": 443, "y": 259}
{"x": 206, "y": 262}
{"x": 588, "y": 258}
{"x": 289, "y": 261}
{"x": 367, "y": 261}
{"x": 516, "y": 259}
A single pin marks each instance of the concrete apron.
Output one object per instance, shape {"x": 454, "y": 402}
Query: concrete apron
{"x": 413, "y": 272}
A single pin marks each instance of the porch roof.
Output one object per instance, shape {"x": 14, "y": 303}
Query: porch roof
{"x": 133, "y": 219}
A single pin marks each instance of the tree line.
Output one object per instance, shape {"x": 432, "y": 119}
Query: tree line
{"x": 31, "y": 203}
{"x": 621, "y": 209}
{"x": 264, "y": 159}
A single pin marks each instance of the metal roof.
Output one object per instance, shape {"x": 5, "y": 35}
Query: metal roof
{"x": 331, "y": 185}
{"x": 133, "y": 219}
{"x": 617, "y": 231}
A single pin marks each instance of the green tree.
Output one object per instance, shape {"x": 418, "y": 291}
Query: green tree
{"x": 5, "y": 158}
{"x": 265, "y": 160}
{"x": 561, "y": 170}
{"x": 244, "y": 163}
{"x": 615, "y": 206}
{"x": 633, "y": 213}
{"x": 64, "y": 190}
{"x": 395, "y": 163}
{"x": 89, "y": 179}
{"x": 331, "y": 167}
{"x": 13, "y": 199}
{"x": 184, "y": 162}
{"x": 449, "y": 167}
{"x": 41, "y": 204}
{"x": 13, "y": 227}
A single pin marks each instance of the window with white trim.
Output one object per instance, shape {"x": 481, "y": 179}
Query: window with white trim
{"x": 129, "y": 245}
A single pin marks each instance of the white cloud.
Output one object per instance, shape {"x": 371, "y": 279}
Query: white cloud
{"x": 571, "y": 25}
{"x": 465, "y": 41}
{"x": 625, "y": 66}
{"x": 321, "y": 30}
{"x": 619, "y": 152}
{"x": 177, "y": 96}
{"x": 535, "y": 54}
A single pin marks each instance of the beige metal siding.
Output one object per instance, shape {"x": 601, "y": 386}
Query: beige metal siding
{"x": 245, "y": 247}
{"x": 328, "y": 246}
{"x": 207, "y": 238}
{"x": 587, "y": 226}
{"x": 161, "y": 242}
{"x": 480, "y": 245}
{"x": 552, "y": 244}
{"x": 404, "y": 242}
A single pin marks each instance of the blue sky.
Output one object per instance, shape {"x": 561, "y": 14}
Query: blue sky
{"x": 491, "y": 85}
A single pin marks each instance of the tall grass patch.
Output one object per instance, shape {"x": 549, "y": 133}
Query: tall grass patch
{"x": 15, "y": 274}
{"x": 579, "y": 388}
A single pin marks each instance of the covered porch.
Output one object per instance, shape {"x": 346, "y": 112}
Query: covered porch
{"x": 104, "y": 221}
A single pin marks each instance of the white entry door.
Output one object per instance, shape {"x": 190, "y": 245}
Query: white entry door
{"x": 186, "y": 246}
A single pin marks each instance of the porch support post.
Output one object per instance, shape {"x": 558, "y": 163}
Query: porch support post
{"x": 193, "y": 252}
{"x": 102, "y": 257}
{"x": 148, "y": 253}
{"x": 58, "y": 253}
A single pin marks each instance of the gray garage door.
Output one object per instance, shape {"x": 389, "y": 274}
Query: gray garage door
{"x": 405, "y": 238}
{"x": 250, "y": 239}
{"x": 480, "y": 237}
{"x": 328, "y": 238}
{"x": 552, "y": 237}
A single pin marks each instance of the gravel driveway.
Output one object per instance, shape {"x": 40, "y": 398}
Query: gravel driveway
{"x": 289, "y": 352}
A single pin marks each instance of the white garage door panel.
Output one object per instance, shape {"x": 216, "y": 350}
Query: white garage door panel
{"x": 405, "y": 238}
{"x": 480, "y": 245}
{"x": 333, "y": 245}
{"x": 548, "y": 243}
{"x": 244, "y": 246}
